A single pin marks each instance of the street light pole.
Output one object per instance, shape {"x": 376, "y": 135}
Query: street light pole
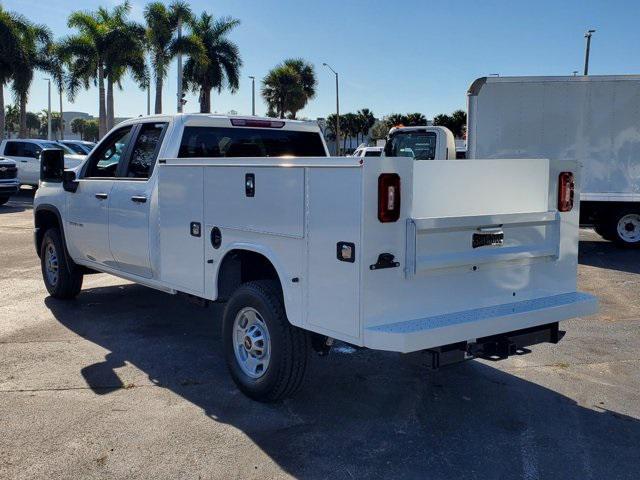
{"x": 49, "y": 110}
{"x": 337, "y": 109}
{"x": 253, "y": 95}
{"x": 587, "y": 50}
{"x": 179, "y": 68}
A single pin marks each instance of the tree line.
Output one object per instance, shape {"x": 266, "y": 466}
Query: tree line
{"x": 107, "y": 45}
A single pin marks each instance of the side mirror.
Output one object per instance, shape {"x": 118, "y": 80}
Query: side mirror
{"x": 51, "y": 165}
{"x": 69, "y": 182}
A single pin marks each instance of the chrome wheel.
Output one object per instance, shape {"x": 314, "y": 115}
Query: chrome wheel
{"x": 51, "y": 264}
{"x": 252, "y": 345}
{"x": 629, "y": 228}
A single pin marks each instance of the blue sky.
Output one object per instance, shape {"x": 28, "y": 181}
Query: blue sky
{"x": 393, "y": 57}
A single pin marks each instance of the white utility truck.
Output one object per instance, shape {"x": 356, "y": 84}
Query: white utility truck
{"x": 459, "y": 259}
{"x": 592, "y": 119}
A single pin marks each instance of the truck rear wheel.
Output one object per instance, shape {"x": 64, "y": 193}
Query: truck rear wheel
{"x": 266, "y": 355}
{"x": 624, "y": 228}
{"x": 62, "y": 280}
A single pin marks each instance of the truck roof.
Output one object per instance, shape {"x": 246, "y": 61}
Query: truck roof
{"x": 478, "y": 83}
{"x": 214, "y": 120}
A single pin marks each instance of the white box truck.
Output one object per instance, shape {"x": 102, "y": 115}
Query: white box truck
{"x": 455, "y": 258}
{"x": 594, "y": 120}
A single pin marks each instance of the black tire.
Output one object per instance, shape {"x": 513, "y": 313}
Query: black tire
{"x": 289, "y": 345}
{"x": 3, "y": 199}
{"x": 611, "y": 232}
{"x": 68, "y": 282}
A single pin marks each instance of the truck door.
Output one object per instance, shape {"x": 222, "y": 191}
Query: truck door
{"x": 25, "y": 155}
{"x": 87, "y": 228}
{"x": 130, "y": 200}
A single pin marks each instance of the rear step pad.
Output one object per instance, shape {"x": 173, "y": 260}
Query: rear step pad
{"x": 438, "y": 330}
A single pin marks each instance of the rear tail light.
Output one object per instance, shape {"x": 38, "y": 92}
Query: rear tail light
{"x": 566, "y": 188}
{"x": 388, "y": 197}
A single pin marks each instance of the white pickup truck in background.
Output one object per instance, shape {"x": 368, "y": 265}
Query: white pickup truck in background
{"x": 459, "y": 259}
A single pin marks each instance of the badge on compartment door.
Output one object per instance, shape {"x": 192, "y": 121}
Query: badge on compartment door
{"x": 488, "y": 237}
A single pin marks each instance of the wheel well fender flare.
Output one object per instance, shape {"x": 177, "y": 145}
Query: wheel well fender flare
{"x": 287, "y": 285}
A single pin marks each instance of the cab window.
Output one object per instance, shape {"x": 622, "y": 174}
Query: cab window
{"x": 249, "y": 142}
{"x": 145, "y": 150}
{"x": 104, "y": 161}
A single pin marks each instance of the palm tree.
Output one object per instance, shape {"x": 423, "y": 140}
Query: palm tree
{"x": 219, "y": 65}
{"x": 164, "y": 45}
{"x": 9, "y": 51}
{"x": 125, "y": 52}
{"x": 415, "y": 120}
{"x": 78, "y": 125}
{"x": 288, "y": 87}
{"x": 55, "y": 65}
{"x": 33, "y": 42}
{"x": 88, "y": 51}
{"x": 366, "y": 119}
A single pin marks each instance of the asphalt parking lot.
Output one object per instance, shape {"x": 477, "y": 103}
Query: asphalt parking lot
{"x": 127, "y": 382}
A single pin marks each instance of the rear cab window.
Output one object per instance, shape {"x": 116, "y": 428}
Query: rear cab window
{"x": 203, "y": 142}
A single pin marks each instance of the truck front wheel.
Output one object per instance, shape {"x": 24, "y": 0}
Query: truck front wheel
{"x": 266, "y": 355}
{"x": 62, "y": 280}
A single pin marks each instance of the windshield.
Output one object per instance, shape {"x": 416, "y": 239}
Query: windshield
{"x": 420, "y": 145}
{"x": 66, "y": 149}
{"x": 78, "y": 149}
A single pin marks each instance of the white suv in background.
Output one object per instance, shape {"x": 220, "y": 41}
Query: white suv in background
{"x": 26, "y": 154}
{"x": 368, "y": 152}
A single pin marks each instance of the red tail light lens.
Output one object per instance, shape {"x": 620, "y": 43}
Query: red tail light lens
{"x": 388, "y": 197}
{"x": 566, "y": 187}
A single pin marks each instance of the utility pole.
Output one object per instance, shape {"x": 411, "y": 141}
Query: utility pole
{"x": 180, "y": 103}
{"x": 337, "y": 109}
{"x": 253, "y": 95}
{"x": 587, "y": 50}
{"x": 49, "y": 111}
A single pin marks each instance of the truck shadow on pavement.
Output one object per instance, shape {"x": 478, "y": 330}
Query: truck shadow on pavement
{"x": 605, "y": 254}
{"x": 363, "y": 414}
{"x": 21, "y": 201}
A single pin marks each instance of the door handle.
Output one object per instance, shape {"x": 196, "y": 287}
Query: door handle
{"x": 102, "y": 196}
{"x": 139, "y": 199}
{"x": 24, "y": 161}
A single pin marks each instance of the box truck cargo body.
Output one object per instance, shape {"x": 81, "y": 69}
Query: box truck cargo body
{"x": 592, "y": 119}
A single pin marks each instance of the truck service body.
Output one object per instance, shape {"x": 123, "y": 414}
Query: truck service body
{"x": 593, "y": 119}
{"x": 457, "y": 258}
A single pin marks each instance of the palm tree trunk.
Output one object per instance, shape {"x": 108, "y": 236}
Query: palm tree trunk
{"x": 2, "y": 118}
{"x": 110, "y": 109}
{"x": 23, "y": 115}
{"x": 159, "y": 82}
{"x": 102, "y": 117}
{"x": 61, "y": 117}
{"x": 205, "y": 100}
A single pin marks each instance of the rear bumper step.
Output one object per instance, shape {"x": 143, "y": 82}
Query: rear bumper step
{"x": 470, "y": 325}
